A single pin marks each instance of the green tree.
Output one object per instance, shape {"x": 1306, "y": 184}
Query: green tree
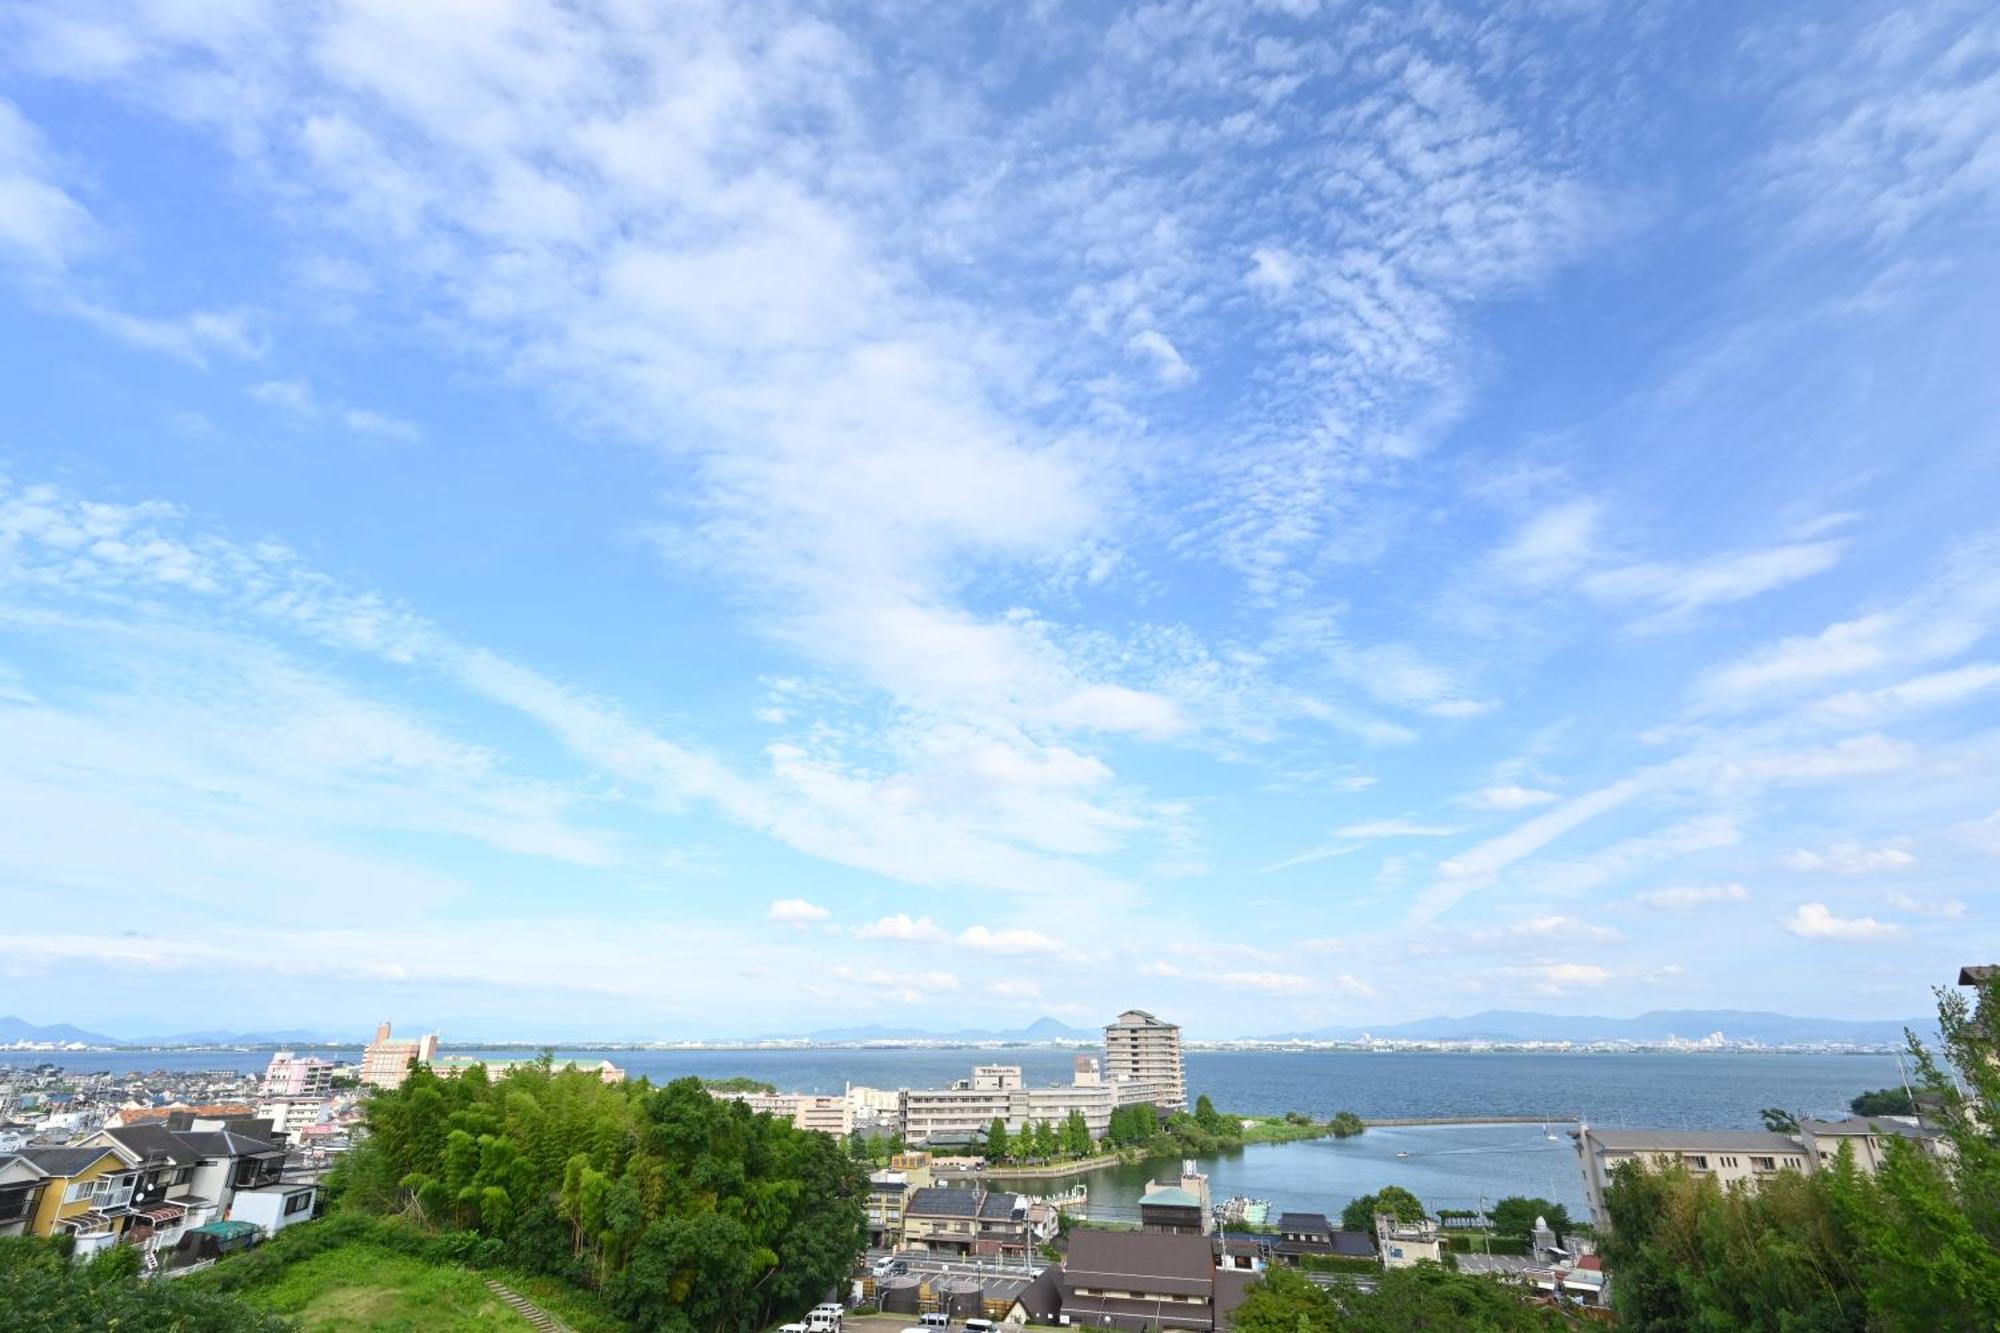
{"x": 1778, "y": 1120}
{"x": 1076, "y": 1134}
{"x": 996, "y": 1140}
{"x": 1515, "y": 1215}
{"x": 1394, "y": 1200}
{"x": 1884, "y": 1101}
{"x": 1346, "y": 1124}
{"x": 41, "y": 1290}
{"x": 1285, "y": 1300}
{"x": 1405, "y": 1299}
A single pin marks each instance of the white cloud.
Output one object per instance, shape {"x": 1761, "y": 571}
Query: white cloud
{"x": 1016, "y": 989}
{"x": 796, "y": 912}
{"x": 1852, "y": 858}
{"x": 1939, "y": 689}
{"x": 1168, "y": 363}
{"x": 1556, "y": 926}
{"x": 1012, "y": 942}
{"x": 1685, "y": 897}
{"x": 901, "y": 926}
{"x": 1394, "y": 828}
{"x": 1676, "y": 592}
{"x": 1553, "y": 978}
{"x": 1551, "y": 546}
{"x": 1159, "y": 970}
{"x": 298, "y": 399}
{"x": 1510, "y": 796}
{"x": 1815, "y": 921}
{"x": 1955, "y": 608}
{"x": 1948, "y": 909}
{"x": 41, "y": 225}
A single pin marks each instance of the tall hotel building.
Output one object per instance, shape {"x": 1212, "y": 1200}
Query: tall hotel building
{"x": 386, "y": 1062}
{"x": 1142, "y": 1053}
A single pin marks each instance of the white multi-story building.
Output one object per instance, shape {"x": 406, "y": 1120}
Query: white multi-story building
{"x": 968, "y": 1108}
{"x": 1141, "y": 1051}
{"x": 828, "y": 1115}
{"x": 293, "y": 1076}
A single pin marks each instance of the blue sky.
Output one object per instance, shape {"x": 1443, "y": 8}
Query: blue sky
{"x": 688, "y": 520}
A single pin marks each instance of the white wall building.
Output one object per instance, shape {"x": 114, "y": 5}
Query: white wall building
{"x": 1139, "y": 1049}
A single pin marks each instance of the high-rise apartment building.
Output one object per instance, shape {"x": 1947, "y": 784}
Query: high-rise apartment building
{"x": 386, "y": 1062}
{"x": 295, "y": 1076}
{"x": 1142, "y": 1052}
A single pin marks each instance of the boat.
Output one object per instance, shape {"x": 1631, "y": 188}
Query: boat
{"x": 1243, "y": 1210}
{"x": 1402, "y": 1154}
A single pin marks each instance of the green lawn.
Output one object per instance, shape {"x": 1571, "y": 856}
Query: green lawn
{"x": 362, "y": 1287}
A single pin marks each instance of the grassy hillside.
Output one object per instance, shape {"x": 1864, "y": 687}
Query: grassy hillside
{"x": 363, "y": 1287}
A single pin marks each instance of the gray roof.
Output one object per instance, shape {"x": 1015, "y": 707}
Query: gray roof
{"x": 943, "y": 1200}
{"x": 1305, "y": 1224}
{"x": 1858, "y": 1126}
{"x": 1140, "y": 1261}
{"x": 63, "y": 1161}
{"x": 1042, "y": 1298}
{"x": 154, "y": 1141}
{"x": 1000, "y": 1205}
{"x": 1693, "y": 1140}
{"x": 226, "y": 1143}
{"x": 1978, "y": 972}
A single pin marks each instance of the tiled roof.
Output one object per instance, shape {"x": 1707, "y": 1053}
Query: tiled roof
{"x": 944, "y": 1201}
{"x": 1698, "y": 1141}
{"x": 1000, "y": 1205}
{"x": 1304, "y": 1224}
{"x": 63, "y": 1161}
{"x": 1140, "y": 1261}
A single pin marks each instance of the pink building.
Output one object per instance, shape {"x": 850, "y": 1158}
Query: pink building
{"x": 291, "y": 1076}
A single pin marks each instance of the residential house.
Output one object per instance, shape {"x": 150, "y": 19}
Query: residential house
{"x": 1140, "y": 1280}
{"x": 1406, "y": 1244}
{"x": 164, "y": 1204}
{"x": 1313, "y": 1234}
{"x": 87, "y": 1192}
{"x": 966, "y": 1223}
{"x": 21, "y": 1185}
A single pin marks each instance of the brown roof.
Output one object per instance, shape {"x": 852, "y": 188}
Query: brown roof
{"x": 1977, "y": 973}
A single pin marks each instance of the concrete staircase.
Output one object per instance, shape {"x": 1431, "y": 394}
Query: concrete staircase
{"x": 543, "y": 1321}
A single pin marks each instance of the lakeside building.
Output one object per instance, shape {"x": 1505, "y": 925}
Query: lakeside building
{"x": 966, "y": 1223}
{"x": 1744, "y": 1157}
{"x": 828, "y": 1115}
{"x": 1140, "y": 1051}
{"x": 450, "y": 1066}
{"x": 1144, "y": 1280}
{"x": 888, "y": 1190}
{"x": 965, "y": 1111}
{"x": 289, "y": 1075}
{"x": 385, "y": 1063}
{"x": 1403, "y": 1244}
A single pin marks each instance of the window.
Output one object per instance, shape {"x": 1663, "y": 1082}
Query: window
{"x": 1698, "y": 1162}
{"x": 299, "y": 1203}
{"x": 1763, "y": 1164}
{"x": 1728, "y": 1163}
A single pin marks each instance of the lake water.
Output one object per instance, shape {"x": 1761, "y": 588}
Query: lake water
{"x": 1451, "y": 1166}
{"x": 1448, "y": 1166}
{"x": 1707, "y": 1090}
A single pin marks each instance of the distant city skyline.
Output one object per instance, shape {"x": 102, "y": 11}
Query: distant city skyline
{"x": 723, "y": 521}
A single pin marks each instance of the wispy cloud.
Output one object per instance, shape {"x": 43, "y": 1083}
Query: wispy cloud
{"x": 1816, "y": 921}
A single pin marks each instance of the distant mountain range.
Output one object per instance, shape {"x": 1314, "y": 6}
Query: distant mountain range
{"x": 1042, "y": 1029}
{"x": 16, "y": 1029}
{"x": 1655, "y": 1026}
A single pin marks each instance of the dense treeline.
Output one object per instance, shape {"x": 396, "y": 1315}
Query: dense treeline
{"x": 40, "y": 1289}
{"x": 1424, "y": 1297}
{"x": 1915, "y": 1246}
{"x": 688, "y": 1212}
